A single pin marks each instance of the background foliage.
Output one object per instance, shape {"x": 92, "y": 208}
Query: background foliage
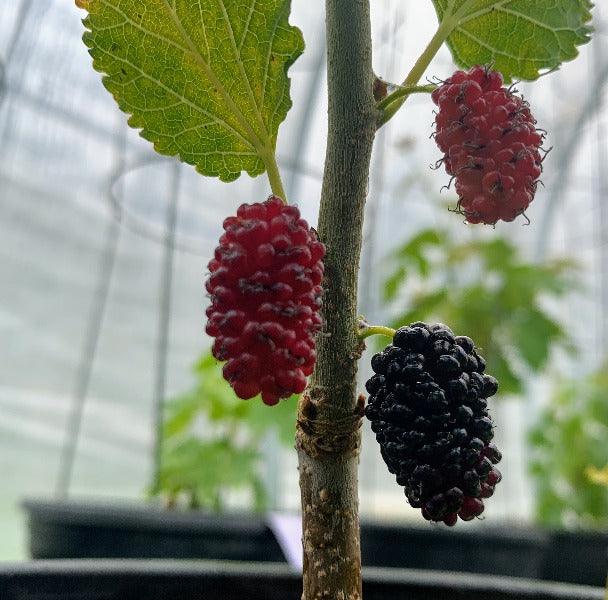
{"x": 569, "y": 437}
{"x": 486, "y": 289}
{"x": 204, "y": 468}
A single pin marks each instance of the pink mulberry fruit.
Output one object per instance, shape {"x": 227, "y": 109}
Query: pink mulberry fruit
{"x": 265, "y": 289}
{"x": 490, "y": 143}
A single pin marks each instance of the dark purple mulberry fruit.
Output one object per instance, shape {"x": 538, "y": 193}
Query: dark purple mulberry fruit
{"x": 433, "y": 425}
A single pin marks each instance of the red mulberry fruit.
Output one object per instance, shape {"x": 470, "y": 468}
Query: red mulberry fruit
{"x": 428, "y": 409}
{"x": 490, "y": 144}
{"x": 265, "y": 288}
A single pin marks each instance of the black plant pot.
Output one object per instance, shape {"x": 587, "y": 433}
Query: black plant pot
{"x": 60, "y": 529}
{"x": 577, "y": 558}
{"x": 203, "y": 580}
{"x": 78, "y": 530}
{"x": 516, "y": 552}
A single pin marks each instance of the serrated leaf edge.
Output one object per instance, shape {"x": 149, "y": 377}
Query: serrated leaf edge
{"x": 584, "y": 32}
{"x": 262, "y": 148}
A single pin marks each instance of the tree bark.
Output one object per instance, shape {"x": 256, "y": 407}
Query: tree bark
{"x": 329, "y": 414}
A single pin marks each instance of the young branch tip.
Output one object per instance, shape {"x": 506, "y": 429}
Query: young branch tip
{"x": 364, "y": 330}
{"x": 403, "y": 92}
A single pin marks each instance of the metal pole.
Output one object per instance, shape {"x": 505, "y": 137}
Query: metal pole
{"x": 27, "y": 14}
{"x": 564, "y": 156}
{"x": 91, "y": 338}
{"x": 164, "y": 314}
{"x": 304, "y": 129}
{"x": 601, "y": 195}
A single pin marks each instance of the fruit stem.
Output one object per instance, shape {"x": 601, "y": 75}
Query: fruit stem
{"x": 366, "y": 331}
{"x": 395, "y": 101}
{"x": 402, "y": 92}
{"x": 274, "y": 175}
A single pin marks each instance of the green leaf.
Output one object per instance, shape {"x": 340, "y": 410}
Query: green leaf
{"x": 565, "y": 493}
{"x": 534, "y": 334}
{"x": 394, "y": 282}
{"x": 485, "y": 289}
{"x": 423, "y": 307}
{"x": 519, "y": 38}
{"x": 538, "y": 437}
{"x": 280, "y": 418}
{"x": 414, "y": 250}
{"x": 209, "y": 469}
{"x": 206, "y": 81}
{"x": 181, "y": 412}
{"x": 497, "y": 253}
{"x": 206, "y": 364}
{"x": 500, "y": 368}
{"x": 260, "y": 495}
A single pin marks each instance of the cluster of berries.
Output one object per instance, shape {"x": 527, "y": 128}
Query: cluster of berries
{"x": 428, "y": 409}
{"x": 490, "y": 143}
{"x": 428, "y": 397}
{"x": 265, "y": 289}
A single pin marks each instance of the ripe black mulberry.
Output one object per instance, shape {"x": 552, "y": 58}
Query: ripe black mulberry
{"x": 428, "y": 409}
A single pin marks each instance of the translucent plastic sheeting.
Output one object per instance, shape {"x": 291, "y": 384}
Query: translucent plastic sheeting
{"x": 69, "y": 168}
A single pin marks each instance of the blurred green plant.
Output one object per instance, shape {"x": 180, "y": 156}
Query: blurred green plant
{"x": 483, "y": 287}
{"x": 597, "y": 476}
{"x": 226, "y": 455}
{"x": 570, "y": 442}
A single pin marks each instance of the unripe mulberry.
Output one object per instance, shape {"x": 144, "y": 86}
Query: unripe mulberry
{"x": 265, "y": 289}
{"x": 490, "y": 143}
{"x": 428, "y": 409}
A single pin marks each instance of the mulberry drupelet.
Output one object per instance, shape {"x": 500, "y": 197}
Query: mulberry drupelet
{"x": 265, "y": 288}
{"x": 428, "y": 409}
{"x": 490, "y": 143}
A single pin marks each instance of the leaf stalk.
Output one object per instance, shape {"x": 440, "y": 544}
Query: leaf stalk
{"x": 396, "y": 100}
{"x": 274, "y": 176}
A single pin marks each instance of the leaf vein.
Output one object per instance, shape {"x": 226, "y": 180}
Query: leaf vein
{"x": 553, "y": 30}
{"x": 183, "y": 99}
{"x": 254, "y": 138}
{"x": 275, "y": 27}
{"x": 495, "y": 50}
{"x": 244, "y": 75}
